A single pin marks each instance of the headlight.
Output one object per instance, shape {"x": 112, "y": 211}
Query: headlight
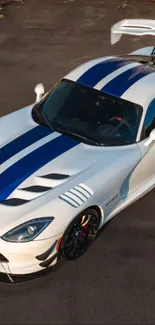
{"x": 27, "y": 231}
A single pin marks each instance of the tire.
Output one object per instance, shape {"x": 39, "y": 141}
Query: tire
{"x": 80, "y": 234}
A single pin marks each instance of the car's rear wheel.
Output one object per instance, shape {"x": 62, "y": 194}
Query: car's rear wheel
{"x": 80, "y": 234}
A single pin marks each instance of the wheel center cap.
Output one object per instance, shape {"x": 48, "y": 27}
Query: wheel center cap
{"x": 78, "y": 233}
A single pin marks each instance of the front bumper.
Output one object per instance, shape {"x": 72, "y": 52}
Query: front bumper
{"x": 30, "y": 257}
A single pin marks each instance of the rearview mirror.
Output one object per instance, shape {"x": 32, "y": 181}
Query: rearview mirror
{"x": 39, "y": 90}
{"x": 151, "y": 138}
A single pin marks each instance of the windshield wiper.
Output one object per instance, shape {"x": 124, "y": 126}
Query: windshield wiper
{"x": 76, "y": 135}
{"x": 68, "y": 131}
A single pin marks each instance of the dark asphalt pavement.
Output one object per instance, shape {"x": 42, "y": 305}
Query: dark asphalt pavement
{"x": 114, "y": 283}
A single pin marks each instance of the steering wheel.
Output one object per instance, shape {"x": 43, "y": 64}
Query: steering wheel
{"x": 121, "y": 122}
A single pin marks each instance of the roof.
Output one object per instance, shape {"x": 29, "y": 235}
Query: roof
{"x": 123, "y": 77}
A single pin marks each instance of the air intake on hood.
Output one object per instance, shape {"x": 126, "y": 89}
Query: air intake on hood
{"x": 36, "y": 188}
{"x": 55, "y": 176}
{"x": 14, "y": 202}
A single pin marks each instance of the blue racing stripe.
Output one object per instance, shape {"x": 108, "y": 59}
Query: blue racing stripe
{"x": 125, "y": 80}
{"x": 12, "y": 177}
{"x": 101, "y": 70}
{"x": 23, "y": 141}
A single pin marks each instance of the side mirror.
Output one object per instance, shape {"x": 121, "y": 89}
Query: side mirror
{"x": 151, "y": 138}
{"x": 39, "y": 90}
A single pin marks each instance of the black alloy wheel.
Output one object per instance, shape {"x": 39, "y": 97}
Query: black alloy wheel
{"x": 80, "y": 234}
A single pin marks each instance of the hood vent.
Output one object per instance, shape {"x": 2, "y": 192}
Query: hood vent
{"x": 36, "y": 189}
{"x": 51, "y": 180}
{"x": 55, "y": 176}
{"x": 25, "y": 194}
{"x": 14, "y": 202}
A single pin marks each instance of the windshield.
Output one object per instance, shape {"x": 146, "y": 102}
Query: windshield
{"x": 91, "y": 115}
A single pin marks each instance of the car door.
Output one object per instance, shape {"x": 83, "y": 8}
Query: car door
{"x": 144, "y": 172}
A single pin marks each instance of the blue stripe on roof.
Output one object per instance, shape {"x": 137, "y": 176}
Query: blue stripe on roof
{"x": 125, "y": 80}
{"x": 12, "y": 177}
{"x": 23, "y": 141}
{"x": 101, "y": 70}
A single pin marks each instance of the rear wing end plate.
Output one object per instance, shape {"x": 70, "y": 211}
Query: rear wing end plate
{"x": 137, "y": 27}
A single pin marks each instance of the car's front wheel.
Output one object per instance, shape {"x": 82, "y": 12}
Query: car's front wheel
{"x": 80, "y": 234}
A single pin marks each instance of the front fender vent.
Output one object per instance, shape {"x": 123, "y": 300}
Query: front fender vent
{"x": 77, "y": 195}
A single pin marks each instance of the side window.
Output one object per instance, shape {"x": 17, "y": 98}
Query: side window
{"x": 149, "y": 121}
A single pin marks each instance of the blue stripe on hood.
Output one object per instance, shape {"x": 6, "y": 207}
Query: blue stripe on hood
{"x": 12, "y": 177}
{"x": 125, "y": 80}
{"x": 101, "y": 70}
{"x": 23, "y": 141}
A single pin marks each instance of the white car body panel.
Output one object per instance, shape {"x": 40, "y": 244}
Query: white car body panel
{"x": 142, "y": 175}
{"x": 143, "y": 51}
{"x": 21, "y": 118}
{"x": 77, "y": 72}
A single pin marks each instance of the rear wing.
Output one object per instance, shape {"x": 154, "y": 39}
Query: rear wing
{"x": 137, "y": 27}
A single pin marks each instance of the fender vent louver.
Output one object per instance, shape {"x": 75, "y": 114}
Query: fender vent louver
{"x": 45, "y": 255}
{"x": 49, "y": 261}
{"x": 55, "y": 176}
{"x": 36, "y": 188}
{"x": 77, "y": 195}
{"x": 14, "y": 202}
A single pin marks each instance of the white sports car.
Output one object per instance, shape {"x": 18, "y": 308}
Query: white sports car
{"x": 83, "y": 152}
